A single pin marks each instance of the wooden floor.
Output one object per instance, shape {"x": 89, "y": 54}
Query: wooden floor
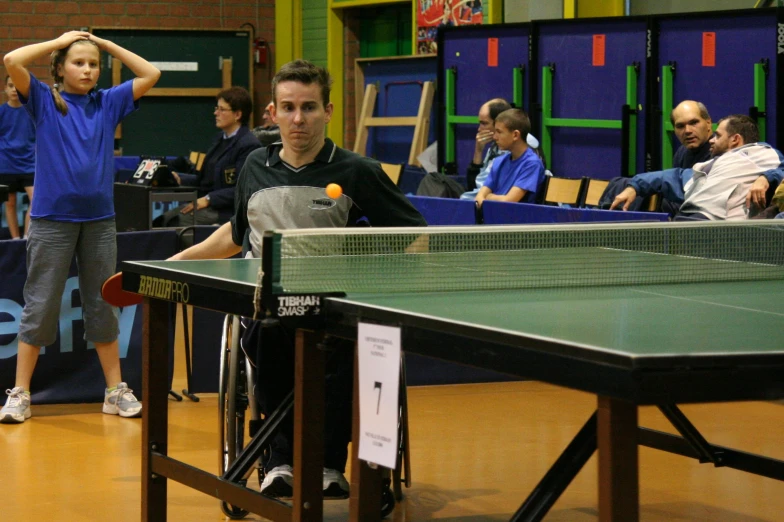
{"x": 477, "y": 450}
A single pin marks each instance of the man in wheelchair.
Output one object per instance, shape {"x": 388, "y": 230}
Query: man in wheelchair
{"x": 283, "y": 187}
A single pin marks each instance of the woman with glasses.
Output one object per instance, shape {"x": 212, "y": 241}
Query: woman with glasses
{"x": 222, "y": 164}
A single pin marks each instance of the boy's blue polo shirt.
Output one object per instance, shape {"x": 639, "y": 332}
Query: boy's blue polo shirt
{"x": 525, "y": 172}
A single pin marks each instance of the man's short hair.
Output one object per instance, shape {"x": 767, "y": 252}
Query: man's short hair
{"x": 743, "y": 125}
{"x": 700, "y": 107}
{"x": 496, "y": 106}
{"x": 515, "y": 120}
{"x": 303, "y": 71}
{"x": 238, "y": 99}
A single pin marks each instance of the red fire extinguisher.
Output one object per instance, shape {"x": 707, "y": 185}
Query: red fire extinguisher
{"x": 260, "y": 52}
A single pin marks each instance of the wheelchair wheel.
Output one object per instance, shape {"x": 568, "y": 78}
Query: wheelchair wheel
{"x": 223, "y": 375}
{"x": 387, "y": 501}
{"x": 232, "y": 419}
{"x": 235, "y": 405}
{"x": 233, "y": 512}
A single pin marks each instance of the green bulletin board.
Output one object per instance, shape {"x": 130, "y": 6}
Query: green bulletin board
{"x": 173, "y": 124}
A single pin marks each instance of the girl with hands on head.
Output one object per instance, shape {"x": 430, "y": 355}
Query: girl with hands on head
{"x": 73, "y": 211}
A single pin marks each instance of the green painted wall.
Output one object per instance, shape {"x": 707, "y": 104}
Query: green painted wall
{"x": 314, "y": 31}
{"x": 385, "y": 31}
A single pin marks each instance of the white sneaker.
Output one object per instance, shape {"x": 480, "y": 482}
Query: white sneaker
{"x": 17, "y": 407}
{"x": 121, "y": 401}
{"x": 335, "y": 484}
{"x": 278, "y": 482}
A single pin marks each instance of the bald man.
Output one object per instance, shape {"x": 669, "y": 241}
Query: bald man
{"x": 693, "y": 128}
{"x": 484, "y": 136}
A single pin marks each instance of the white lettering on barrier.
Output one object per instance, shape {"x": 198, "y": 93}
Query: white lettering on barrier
{"x": 780, "y": 38}
{"x": 11, "y": 315}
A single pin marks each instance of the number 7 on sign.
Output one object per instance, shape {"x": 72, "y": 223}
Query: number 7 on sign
{"x": 378, "y": 404}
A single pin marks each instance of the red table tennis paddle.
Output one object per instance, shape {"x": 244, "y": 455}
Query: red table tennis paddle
{"x": 114, "y": 294}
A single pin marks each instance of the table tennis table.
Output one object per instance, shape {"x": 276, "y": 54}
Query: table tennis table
{"x": 638, "y": 314}
{"x": 3, "y": 193}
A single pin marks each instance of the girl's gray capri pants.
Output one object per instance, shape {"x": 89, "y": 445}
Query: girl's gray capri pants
{"x": 50, "y": 247}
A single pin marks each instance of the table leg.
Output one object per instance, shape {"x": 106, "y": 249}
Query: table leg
{"x": 619, "y": 497}
{"x": 365, "y": 498}
{"x": 308, "y": 427}
{"x": 155, "y": 414}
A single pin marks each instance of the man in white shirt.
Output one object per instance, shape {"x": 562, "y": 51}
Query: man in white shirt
{"x": 733, "y": 181}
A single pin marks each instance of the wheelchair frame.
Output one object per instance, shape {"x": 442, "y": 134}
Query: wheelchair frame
{"x": 235, "y": 397}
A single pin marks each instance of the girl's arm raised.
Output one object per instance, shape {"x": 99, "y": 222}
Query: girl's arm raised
{"x": 146, "y": 74}
{"x": 16, "y": 61}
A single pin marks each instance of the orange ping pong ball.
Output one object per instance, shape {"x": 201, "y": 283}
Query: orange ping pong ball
{"x": 334, "y": 191}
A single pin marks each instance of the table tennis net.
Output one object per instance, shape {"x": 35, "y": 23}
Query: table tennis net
{"x": 437, "y": 259}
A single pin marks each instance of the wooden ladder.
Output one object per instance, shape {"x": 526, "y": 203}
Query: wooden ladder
{"x": 420, "y": 122}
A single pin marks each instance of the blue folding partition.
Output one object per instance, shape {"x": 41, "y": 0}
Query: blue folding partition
{"x": 730, "y": 61}
{"x": 444, "y": 211}
{"x": 502, "y": 213}
{"x": 592, "y": 90}
{"x": 477, "y": 63}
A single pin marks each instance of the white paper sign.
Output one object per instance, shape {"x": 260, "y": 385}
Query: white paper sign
{"x": 379, "y": 382}
{"x": 429, "y": 158}
{"x": 177, "y": 66}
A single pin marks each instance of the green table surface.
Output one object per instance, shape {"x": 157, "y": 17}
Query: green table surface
{"x": 643, "y": 320}
{"x": 649, "y": 320}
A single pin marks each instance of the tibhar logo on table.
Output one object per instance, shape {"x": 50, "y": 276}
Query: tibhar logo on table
{"x": 298, "y": 305}
{"x": 164, "y": 289}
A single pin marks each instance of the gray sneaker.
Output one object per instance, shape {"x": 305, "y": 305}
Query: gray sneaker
{"x": 335, "y": 484}
{"x": 17, "y": 407}
{"x": 278, "y": 482}
{"x": 121, "y": 401}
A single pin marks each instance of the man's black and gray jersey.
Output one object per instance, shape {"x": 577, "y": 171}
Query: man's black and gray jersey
{"x": 272, "y": 195}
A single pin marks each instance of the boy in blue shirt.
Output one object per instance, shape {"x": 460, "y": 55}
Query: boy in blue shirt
{"x": 516, "y": 176}
{"x": 17, "y": 155}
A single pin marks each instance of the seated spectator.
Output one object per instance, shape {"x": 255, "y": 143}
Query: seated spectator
{"x": 693, "y": 128}
{"x": 481, "y": 178}
{"x": 518, "y": 175}
{"x": 479, "y": 167}
{"x": 268, "y": 132}
{"x": 222, "y": 164}
{"x": 734, "y": 180}
{"x": 17, "y": 156}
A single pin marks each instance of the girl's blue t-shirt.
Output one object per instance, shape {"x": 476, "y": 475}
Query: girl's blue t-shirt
{"x": 17, "y": 141}
{"x": 74, "y": 170}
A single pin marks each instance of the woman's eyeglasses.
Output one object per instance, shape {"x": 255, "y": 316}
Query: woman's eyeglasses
{"x": 221, "y": 109}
